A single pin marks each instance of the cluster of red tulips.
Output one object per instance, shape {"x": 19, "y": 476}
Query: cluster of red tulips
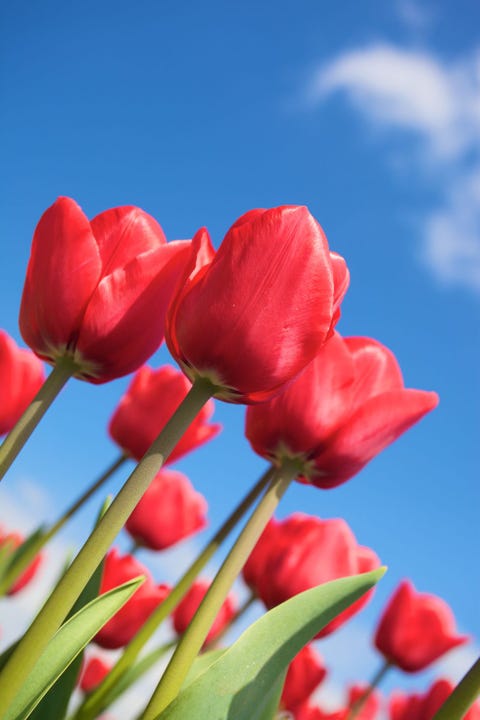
{"x": 251, "y": 323}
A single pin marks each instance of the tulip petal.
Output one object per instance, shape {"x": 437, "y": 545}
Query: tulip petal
{"x": 130, "y": 303}
{"x": 380, "y": 421}
{"x": 376, "y": 369}
{"x": 64, "y": 263}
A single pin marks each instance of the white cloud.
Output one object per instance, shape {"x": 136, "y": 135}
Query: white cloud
{"x": 438, "y": 104}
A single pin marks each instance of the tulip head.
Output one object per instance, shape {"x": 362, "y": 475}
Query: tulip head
{"x": 151, "y": 399}
{"x": 416, "y": 629}
{"x": 304, "y": 674}
{"x": 96, "y": 292}
{"x": 250, "y": 317}
{"x": 345, "y": 407}
{"x": 301, "y": 552}
{"x": 14, "y": 540}
{"x": 169, "y": 511}
{"x": 21, "y": 377}
{"x": 95, "y": 670}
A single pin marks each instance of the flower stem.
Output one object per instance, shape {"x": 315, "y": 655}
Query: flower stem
{"x": 464, "y": 695}
{"x": 197, "y": 631}
{"x": 72, "y": 583}
{"x": 19, "y": 434}
{"x": 374, "y": 683}
{"x": 95, "y": 701}
{"x": 26, "y": 557}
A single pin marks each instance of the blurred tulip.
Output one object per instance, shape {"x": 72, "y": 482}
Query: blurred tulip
{"x": 403, "y": 706}
{"x": 93, "y": 673}
{"x": 15, "y": 539}
{"x": 345, "y": 407}
{"x": 121, "y": 628}
{"x": 416, "y": 629}
{"x": 305, "y": 673}
{"x": 150, "y": 400}
{"x": 97, "y": 292}
{"x": 168, "y": 512}
{"x": 187, "y": 608}
{"x": 301, "y": 552}
{"x": 21, "y": 376}
{"x": 250, "y": 317}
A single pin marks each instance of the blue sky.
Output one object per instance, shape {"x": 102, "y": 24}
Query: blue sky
{"x": 369, "y": 113}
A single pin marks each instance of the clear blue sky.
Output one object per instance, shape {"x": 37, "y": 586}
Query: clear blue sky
{"x": 366, "y": 112}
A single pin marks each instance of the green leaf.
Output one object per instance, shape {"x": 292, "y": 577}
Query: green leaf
{"x": 7, "y": 548}
{"x": 66, "y": 644}
{"x": 238, "y": 685}
{"x": 55, "y": 703}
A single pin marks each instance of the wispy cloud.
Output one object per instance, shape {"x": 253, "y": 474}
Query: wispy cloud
{"x": 438, "y": 105}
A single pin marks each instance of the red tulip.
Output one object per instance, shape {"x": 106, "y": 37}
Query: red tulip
{"x": 187, "y": 608}
{"x": 21, "y": 376}
{"x": 252, "y": 316}
{"x": 305, "y": 673}
{"x": 416, "y": 629}
{"x": 346, "y": 406}
{"x": 151, "y": 399}
{"x": 93, "y": 673}
{"x": 98, "y": 291}
{"x": 301, "y": 552}
{"x": 424, "y": 707}
{"x": 121, "y": 628}
{"x": 14, "y": 539}
{"x": 169, "y": 511}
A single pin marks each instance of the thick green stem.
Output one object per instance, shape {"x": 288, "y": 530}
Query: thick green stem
{"x": 93, "y": 704}
{"x": 27, "y": 557}
{"x": 374, "y": 683}
{"x": 18, "y": 435}
{"x": 70, "y": 586}
{"x": 194, "y": 637}
{"x": 464, "y": 695}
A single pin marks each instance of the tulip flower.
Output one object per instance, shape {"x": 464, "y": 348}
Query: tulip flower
{"x": 15, "y": 539}
{"x": 344, "y": 408}
{"x": 93, "y": 673}
{"x": 250, "y": 317}
{"x": 423, "y": 707}
{"x": 21, "y": 376}
{"x": 168, "y": 512}
{"x": 150, "y": 400}
{"x": 121, "y": 628}
{"x": 96, "y": 292}
{"x": 187, "y": 608}
{"x": 305, "y": 673}
{"x": 416, "y": 629}
{"x": 301, "y": 552}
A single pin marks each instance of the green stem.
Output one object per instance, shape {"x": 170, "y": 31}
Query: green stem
{"x": 93, "y": 704}
{"x": 134, "y": 548}
{"x": 374, "y": 683}
{"x": 194, "y": 637}
{"x": 27, "y": 557}
{"x": 464, "y": 695}
{"x": 18, "y": 435}
{"x": 70, "y": 586}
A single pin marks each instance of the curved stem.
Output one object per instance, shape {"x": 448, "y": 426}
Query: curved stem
{"x": 464, "y": 695}
{"x": 374, "y": 683}
{"x": 197, "y": 631}
{"x": 19, "y": 434}
{"x": 26, "y": 558}
{"x": 94, "y": 703}
{"x": 70, "y": 586}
